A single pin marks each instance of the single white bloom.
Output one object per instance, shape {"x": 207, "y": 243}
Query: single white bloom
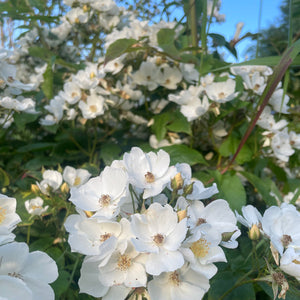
{"x": 267, "y": 121}
{"x": 169, "y": 77}
{"x": 279, "y": 104}
{"x": 159, "y": 234}
{"x": 281, "y": 145}
{"x": 35, "y": 270}
{"x": 189, "y": 73}
{"x": 147, "y": 75}
{"x": 91, "y": 236}
{"x": 51, "y": 180}
{"x": 282, "y": 225}
{"x": 101, "y": 194}
{"x": 250, "y": 216}
{"x": 221, "y": 91}
{"x": 180, "y": 284}
{"x": 217, "y": 214}
{"x": 201, "y": 250}
{"x": 124, "y": 267}
{"x": 8, "y": 218}
{"x": 71, "y": 92}
{"x": 75, "y": 177}
{"x": 35, "y": 206}
{"x": 290, "y": 262}
{"x": 294, "y": 140}
{"x": 93, "y": 107}
{"x": 148, "y": 171}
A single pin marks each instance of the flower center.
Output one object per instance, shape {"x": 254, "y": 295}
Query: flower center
{"x": 92, "y": 75}
{"x": 77, "y": 181}
{"x": 34, "y": 207}
{"x": 278, "y": 277}
{"x": 2, "y": 214}
{"x": 200, "y": 221}
{"x": 93, "y": 108}
{"x": 74, "y": 94}
{"x": 124, "y": 262}
{"x": 149, "y": 177}
{"x": 200, "y": 248}
{"x": 104, "y": 200}
{"x": 174, "y": 278}
{"x": 221, "y": 95}
{"x": 286, "y": 240}
{"x": 256, "y": 87}
{"x": 105, "y": 236}
{"x": 158, "y": 239}
{"x": 14, "y": 274}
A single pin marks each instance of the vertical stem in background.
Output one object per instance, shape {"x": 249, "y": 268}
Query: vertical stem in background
{"x": 203, "y": 33}
{"x": 259, "y": 25}
{"x": 193, "y": 24}
{"x": 290, "y": 38}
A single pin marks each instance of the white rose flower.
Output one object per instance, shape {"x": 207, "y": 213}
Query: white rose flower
{"x": 148, "y": 171}
{"x": 8, "y": 218}
{"x": 159, "y": 234}
{"x": 180, "y": 284}
{"x": 35, "y": 206}
{"x": 33, "y": 270}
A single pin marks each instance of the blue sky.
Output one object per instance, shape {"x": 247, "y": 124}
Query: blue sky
{"x": 247, "y": 12}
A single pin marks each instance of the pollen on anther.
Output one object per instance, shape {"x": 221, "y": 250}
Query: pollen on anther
{"x": 2, "y": 214}
{"x": 200, "y": 248}
{"x": 124, "y": 262}
{"x": 149, "y": 177}
{"x": 174, "y": 278}
{"x": 104, "y": 200}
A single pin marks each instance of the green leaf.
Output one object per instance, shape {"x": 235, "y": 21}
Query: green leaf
{"x": 165, "y": 40}
{"x": 4, "y": 178}
{"x": 173, "y": 121}
{"x": 263, "y": 186}
{"x": 36, "y": 147}
{"x": 223, "y": 281}
{"x": 218, "y": 40}
{"x": 229, "y": 147}
{"x": 118, "y": 48}
{"x": 39, "y": 4}
{"x": 21, "y": 119}
{"x": 179, "y": 123}
{"x": 184, "y": 154}
{"x": 61, "y": 284}
{"x": 109, "y": 152}
{"x": 47, "y": 85}
{"x": 233, "y": 191}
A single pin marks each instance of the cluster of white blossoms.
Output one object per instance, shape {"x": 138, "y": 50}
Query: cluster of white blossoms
{"x": 144, "y": 230}
{"x": 281, "y": 226}
{"x": 23, "y": 275}
{"x": 10, "y": 91}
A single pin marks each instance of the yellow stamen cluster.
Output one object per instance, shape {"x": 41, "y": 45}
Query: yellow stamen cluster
{"x": 200, "y": 248}
{"x": 149, "y": 177}
{"x": 174, "y": 278}
{"x": 2, "y": 214}
{"x": 124, "y": 262}
{"x": 104, "y": 200}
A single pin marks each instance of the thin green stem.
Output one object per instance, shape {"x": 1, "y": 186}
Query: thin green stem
{"x": 238, "y": 283}
{"x": 73, "y": 271}
{"x": 193, "y": 24}
{"x": 28, "y": 235}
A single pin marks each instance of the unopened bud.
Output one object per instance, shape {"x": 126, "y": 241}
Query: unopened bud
{"x": 254, "y": 233}
{"x": 85, "y": 8}
{"x": 226, "y": 236}
{"x": 177, "y": 182}
{"x": 34, "y": 188}
{"x": 188, "y": 189}
{"x": 181, "y": 214}
{"x": 64, "y": 188}
{"x": 88, "y": 213}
